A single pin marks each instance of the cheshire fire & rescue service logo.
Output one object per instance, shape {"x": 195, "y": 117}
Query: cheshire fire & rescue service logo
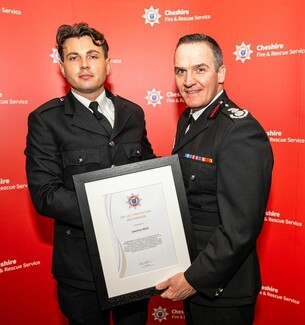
{"x": 133, "y": 201}
{"x": 160, "y": 314}
{"x": 243, "y": 52}
{"x": 154, "y": 97}
{"x": 151, "y": 16}
{"x": 55, "y": 56}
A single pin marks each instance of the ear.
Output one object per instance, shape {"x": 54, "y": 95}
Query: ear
{"x": 62, "y": 69}
{"x": 221, "y": 74}
{"x": 108, "y": 66}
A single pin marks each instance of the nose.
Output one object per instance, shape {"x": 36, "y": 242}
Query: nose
{"x": 189, "y": 80}
{"x": 84, "y": 63}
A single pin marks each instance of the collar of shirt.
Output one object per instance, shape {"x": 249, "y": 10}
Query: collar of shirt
{"x": 105, "y": 105}
{"x": 197, "y": 113}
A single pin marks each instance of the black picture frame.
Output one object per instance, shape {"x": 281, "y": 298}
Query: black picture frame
{"x": 100, "y": 180}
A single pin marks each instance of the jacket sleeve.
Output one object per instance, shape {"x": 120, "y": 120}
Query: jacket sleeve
{"x": 147, "y": 151}
{"x": 45, "y": 175}
{"x": 244, "y": 169}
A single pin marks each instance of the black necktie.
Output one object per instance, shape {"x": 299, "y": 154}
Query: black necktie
{"x": 94, "y": 107}
{"x": 190, "y": 122}
{"x": 101, "y": 117}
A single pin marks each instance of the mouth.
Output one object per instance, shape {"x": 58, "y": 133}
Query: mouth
{"x": 85, "y": 76}
{"x": 193, "y": 92}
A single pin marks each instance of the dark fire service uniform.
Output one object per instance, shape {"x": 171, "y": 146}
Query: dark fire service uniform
{"x": 226, "y": 162}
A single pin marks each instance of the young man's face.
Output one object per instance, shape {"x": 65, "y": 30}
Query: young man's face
{"x": 196, "y": 77}
{"x": 84, "y": 66}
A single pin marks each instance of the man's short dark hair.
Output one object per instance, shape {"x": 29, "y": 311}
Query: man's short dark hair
{"x": 202, "y": 38}
{"x": 79, "y": 30}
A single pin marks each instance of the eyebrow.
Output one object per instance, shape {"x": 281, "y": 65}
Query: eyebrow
{"x": 194, "y": 66}
{"x": 89, "y": 52}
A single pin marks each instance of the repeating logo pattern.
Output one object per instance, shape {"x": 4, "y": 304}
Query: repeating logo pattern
{"x": 55, "y": 56}
{"x": 160, "y": 314}
{"x": 154, "y": 97}
{"x": 151, "y": 16}
{"x": 243, "y": 52}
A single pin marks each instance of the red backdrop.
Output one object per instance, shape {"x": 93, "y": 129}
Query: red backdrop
{"x": 264, "y": 50}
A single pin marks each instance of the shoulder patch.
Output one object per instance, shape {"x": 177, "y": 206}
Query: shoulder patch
{"x": 237, "y": 112}
{"x": 123, "y": 98}
{"x": 55, "y": 102}
{"x": 126, "y": 101}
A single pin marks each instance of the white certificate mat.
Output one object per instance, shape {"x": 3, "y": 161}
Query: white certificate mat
{"x": 135, "y": 227}
{"x": 140, "y": 231}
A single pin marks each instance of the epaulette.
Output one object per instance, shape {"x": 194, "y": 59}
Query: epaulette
{"x": 125, "y": 100}
{"x": 234, "y": 112}
{"x": 55, "y": 102}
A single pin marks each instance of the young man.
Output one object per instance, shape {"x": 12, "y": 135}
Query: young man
{"x": 226, "y": 162}
{"x": 68, "y": 136}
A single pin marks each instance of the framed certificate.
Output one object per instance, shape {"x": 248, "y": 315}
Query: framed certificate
{"x": 137, "y": 227}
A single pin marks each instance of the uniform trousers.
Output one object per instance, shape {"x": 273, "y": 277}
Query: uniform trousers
{"x": 81, "y": 307}
{"x": 204, "y": 315}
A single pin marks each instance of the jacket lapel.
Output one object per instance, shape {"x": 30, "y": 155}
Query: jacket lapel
{"x": 122, "y": 115}
{"x": 82, "y": 117}
{"x": 200, "y": 124}
{"x": 182, "y": 124}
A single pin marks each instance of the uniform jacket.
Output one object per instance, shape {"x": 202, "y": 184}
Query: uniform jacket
{"x": 64, "y": 138}
{"x": 226, "y": 162}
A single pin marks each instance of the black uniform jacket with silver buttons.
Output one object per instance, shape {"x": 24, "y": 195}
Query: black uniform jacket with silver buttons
{"x": 226, "y": 162}
{"x": 64, "y": 138}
